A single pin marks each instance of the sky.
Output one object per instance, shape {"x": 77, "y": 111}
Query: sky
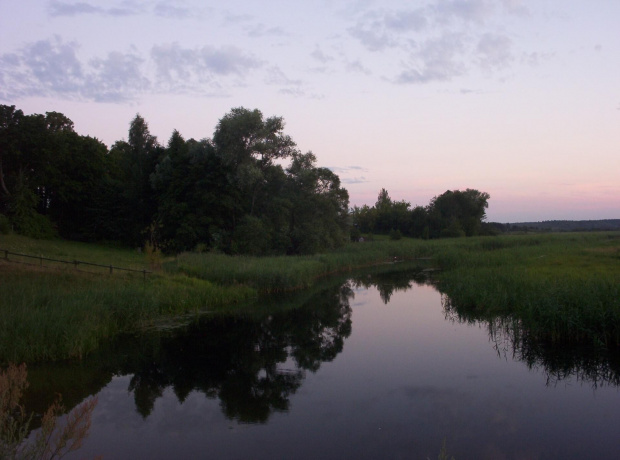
{"x": 516, "y": 98}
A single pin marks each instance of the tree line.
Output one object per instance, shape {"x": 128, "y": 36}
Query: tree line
{"x": 229, "y": 192}
{"x": 454, "y": 213}
{"x": 247, "y": 189}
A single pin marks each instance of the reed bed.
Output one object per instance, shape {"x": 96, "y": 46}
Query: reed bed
{"x": 285, "y": 273}
{"x": 563, "y": 286}
{"x": 58, "y": 315}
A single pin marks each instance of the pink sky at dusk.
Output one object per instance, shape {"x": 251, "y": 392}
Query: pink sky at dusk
{"x": 519, "y": 99}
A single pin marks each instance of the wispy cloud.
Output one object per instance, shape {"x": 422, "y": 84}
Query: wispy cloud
{"x": 261, "y": 30}
{"x": 53, "y": 68}
{"x": 168, "y": 10}
{"x": 440, "y": 41}
{"x": 320, "y": 55}
{"x": 59, "y": 8}
{"x": 200, "y": 70}
{"x": 494, "y": 51}
{"x": 348, "y": 174}
{"x": 467, "y": 11}
{"x": 436, "y": 60}
{"x": 125, "y": 8}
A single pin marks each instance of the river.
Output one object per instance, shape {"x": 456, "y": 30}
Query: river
{"x": 377, "y": 366}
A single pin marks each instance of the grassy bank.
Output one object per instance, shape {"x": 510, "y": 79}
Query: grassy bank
{"x": 48, "y": 315}
{"x": 561, "y": 287}
{"x": 283, "y": 273}
{"x": 566, "y": 285}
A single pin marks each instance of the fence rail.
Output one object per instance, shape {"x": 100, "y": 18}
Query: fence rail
{"x": 76, "y": 263}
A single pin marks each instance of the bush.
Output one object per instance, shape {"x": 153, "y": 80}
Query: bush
{"x": 5, "y": 225}
{"x": 395, "y": 235}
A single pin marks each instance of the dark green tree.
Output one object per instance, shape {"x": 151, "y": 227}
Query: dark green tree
{"x": 457, "y": 213}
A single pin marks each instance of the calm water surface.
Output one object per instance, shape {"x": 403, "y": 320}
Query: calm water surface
{"x": 375, "y": 368}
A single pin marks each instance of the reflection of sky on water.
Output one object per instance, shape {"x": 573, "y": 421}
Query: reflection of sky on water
{"x": 406, "y": 380}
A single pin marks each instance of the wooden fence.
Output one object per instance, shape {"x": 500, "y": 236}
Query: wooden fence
{"x": 75, "y": 263}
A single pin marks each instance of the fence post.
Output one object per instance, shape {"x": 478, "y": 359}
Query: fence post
{"x": 110, "y": 269}
{"x": 75, "y": 262}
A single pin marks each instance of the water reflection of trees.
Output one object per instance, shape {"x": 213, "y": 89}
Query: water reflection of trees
{"x": 388, "y": 282}
{"x": 252, "y": 364}
{"x": 588, "y": 363}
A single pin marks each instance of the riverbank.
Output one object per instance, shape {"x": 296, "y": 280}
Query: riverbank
{"x": 566, "y": 283}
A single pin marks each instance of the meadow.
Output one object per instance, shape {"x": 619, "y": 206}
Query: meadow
{"x": 565, "y": 287}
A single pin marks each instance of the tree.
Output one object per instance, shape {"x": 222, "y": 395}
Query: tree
{"x": 249, "y": 145}
{"x": 319, "y": 215}
{"x": 136, "y": 160}
{"x": 455, "y": 211}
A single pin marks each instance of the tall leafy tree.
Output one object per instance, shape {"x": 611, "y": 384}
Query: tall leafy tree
{"x": 249, "y": 145}
{"x": 457, "y": 213}
{"x": 136, "y": 160}
{"x": 319, "y": 213}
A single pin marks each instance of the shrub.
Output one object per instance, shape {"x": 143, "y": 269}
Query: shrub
{"x": 5, "y": 225}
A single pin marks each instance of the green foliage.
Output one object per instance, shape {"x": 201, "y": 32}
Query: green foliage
{"x": 5, "y": 225}
{"x": 24, "y": 217}
{"x": 395, "y": 234}
{"x": 452, "y": 214}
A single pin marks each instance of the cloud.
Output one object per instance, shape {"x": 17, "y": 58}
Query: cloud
{"x": 534, "y": 59}
{"x": 200, "y": 70}
{"x": 494, "y": 51}
{"x": 52, "y": 68}
{"x": 371, "y": 39}
{"x": 354, "y": 180}
{"x": 406, "y": 20}
{"x": 320, "y": 56}
{"x": 116, "y": 78}
{"x": 260, "y": 30}
{"x": 275, "y": 76}
{"x": 62, "y": 8}
{"x": 440, "y": 41}
{"x": 43, "y": 68}
{"x": 165, "y": 9}
{"x": 346, "y": 171}
{"x": 516, "y": 8}
{"x": 59, "y": 8}
{"x": 436, "y": 60}
{"x": 465, "y": 11}
{"x": 173, "y": 61}
{"x": 357, "y": 67}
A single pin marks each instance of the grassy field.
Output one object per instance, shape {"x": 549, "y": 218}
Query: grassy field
{"x": 560, "y": 287}
{"x": 564, "y": 286}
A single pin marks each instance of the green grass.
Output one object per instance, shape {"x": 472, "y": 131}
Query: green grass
{"x": 563, "y": 287}
{"x": 284, "y": 273}
{"x": 560, "y": 287}
{"x": 52, "y": 315}
{"x": 71, "y": 250}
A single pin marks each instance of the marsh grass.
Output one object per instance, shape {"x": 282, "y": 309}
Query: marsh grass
{"x": 55, "y": 315}
{"x": 284, "y": 273}
{"x": 563, "y": 286}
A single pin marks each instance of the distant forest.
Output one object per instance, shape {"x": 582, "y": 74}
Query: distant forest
{"x": 561, "y": 226}
{"x": 229, "y": 193}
